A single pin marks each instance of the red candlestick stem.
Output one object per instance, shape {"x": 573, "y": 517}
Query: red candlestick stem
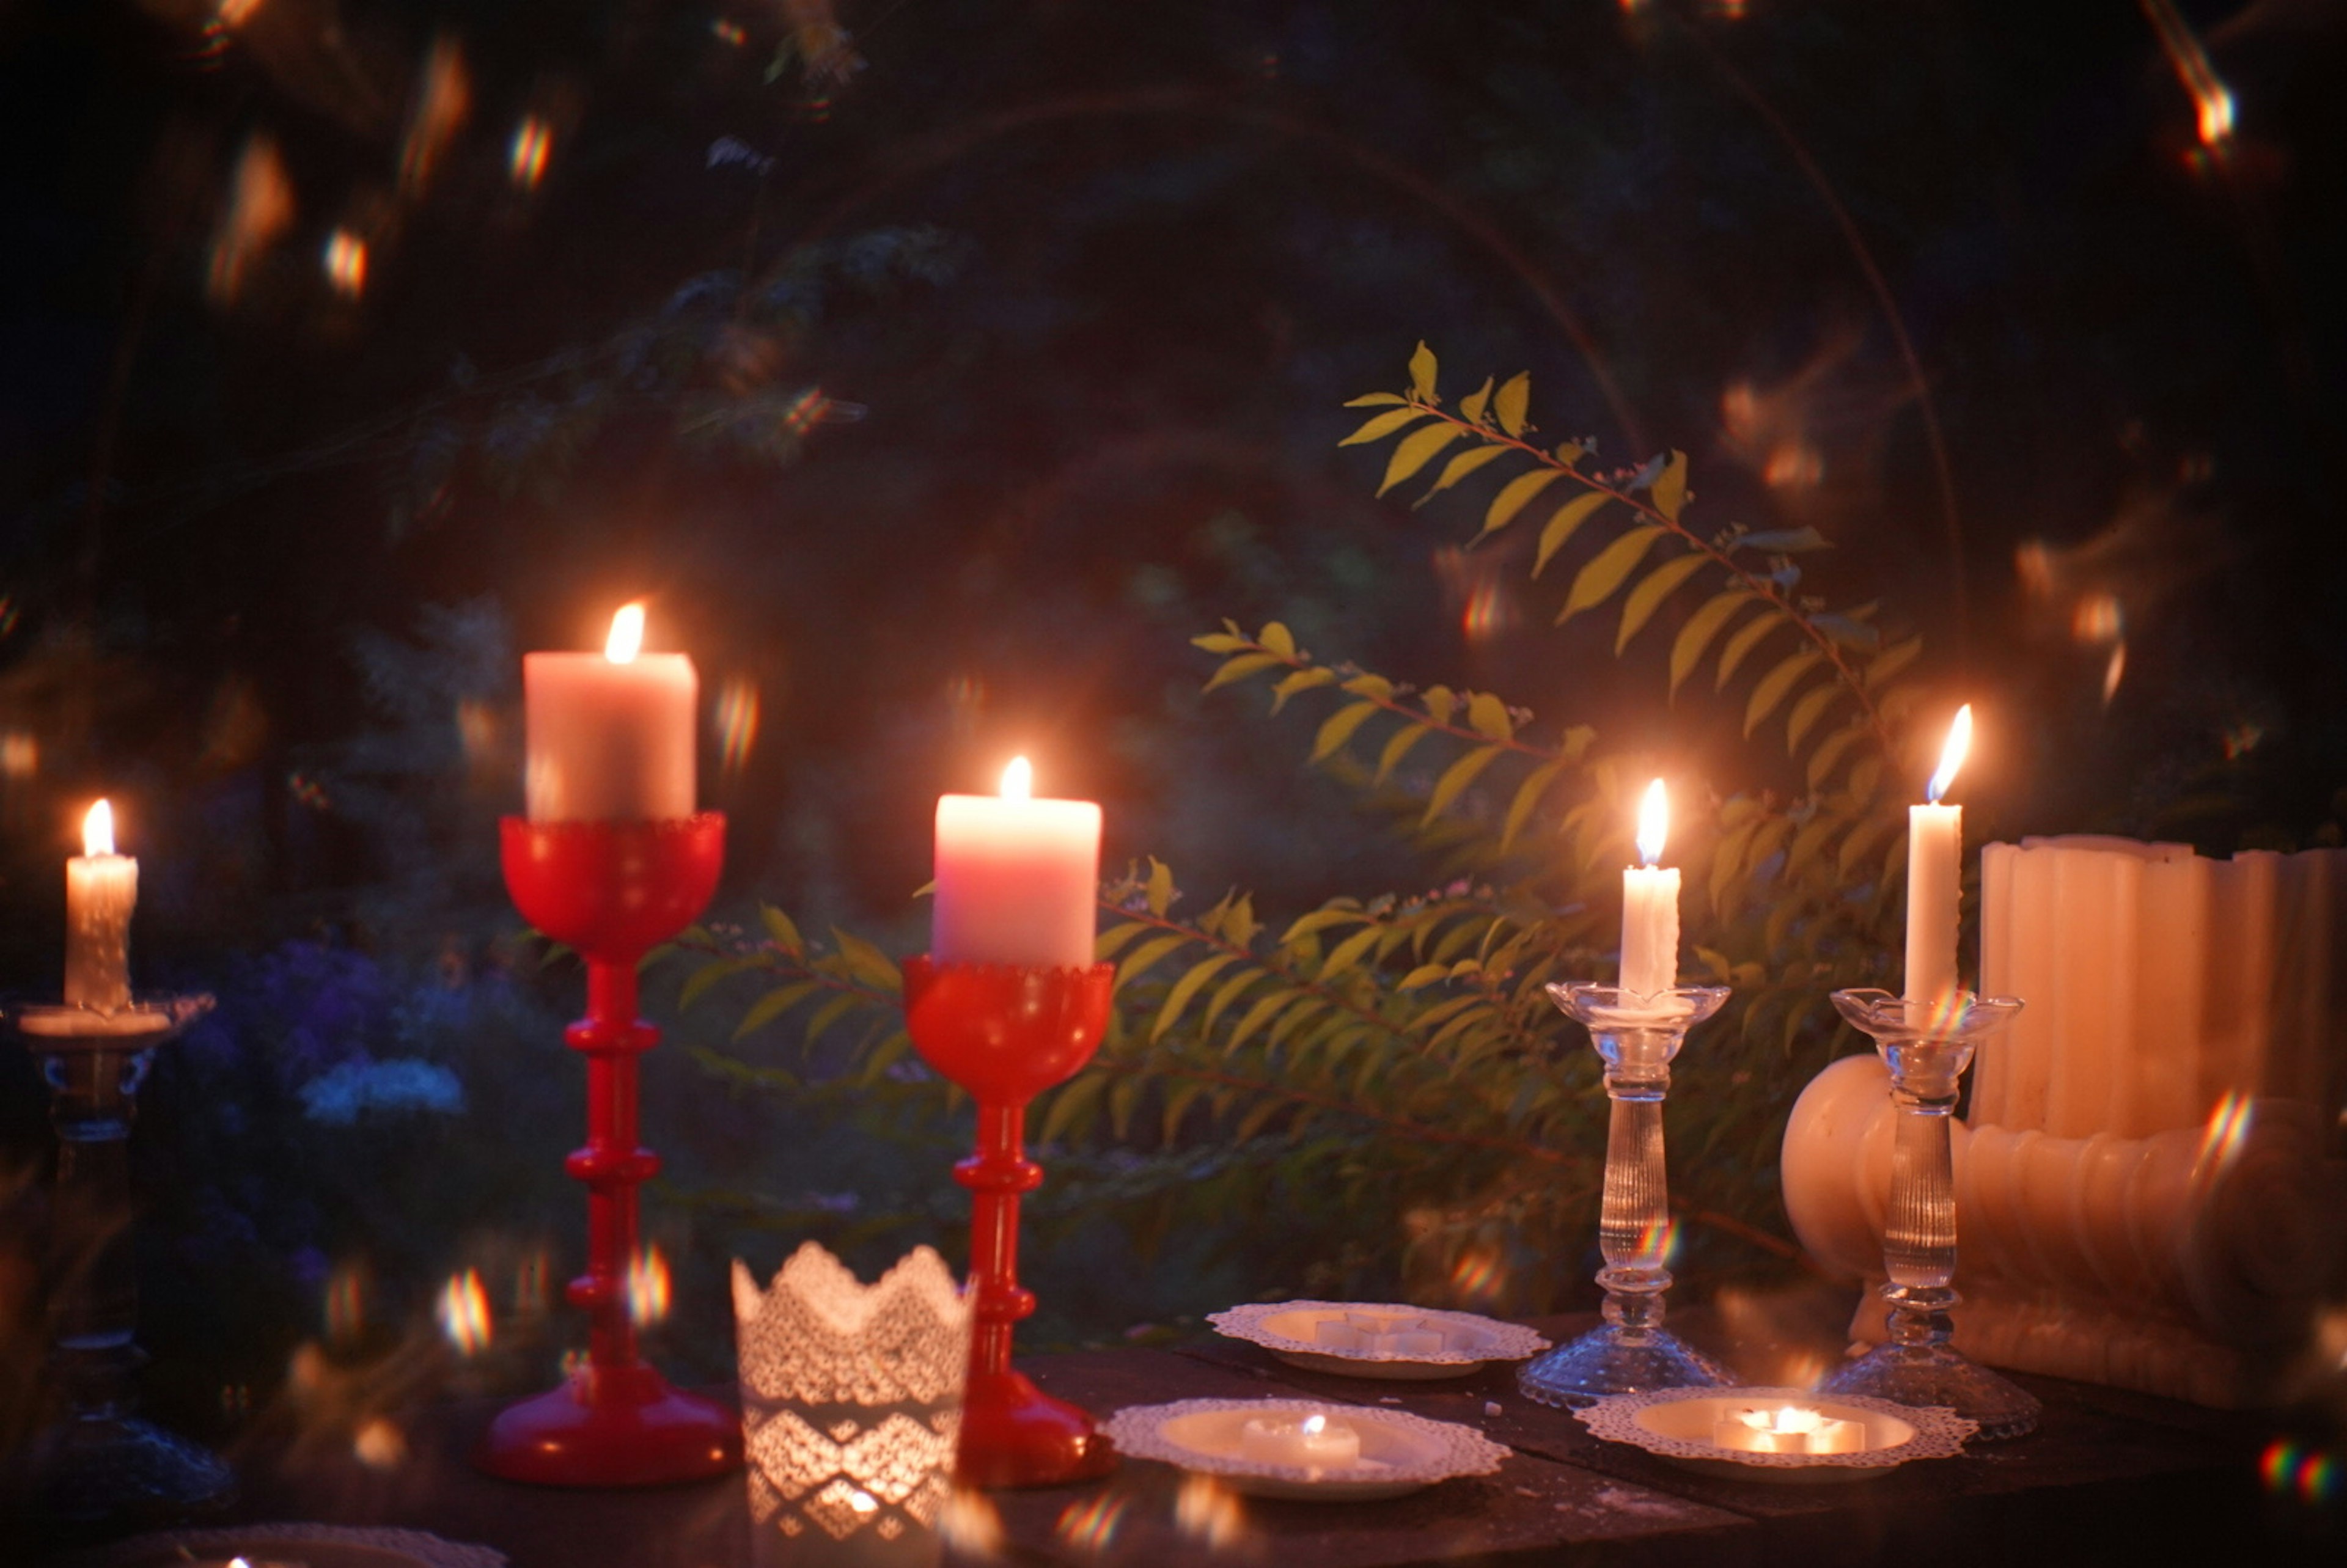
{"x": 612, "y": 890}
{"x": 1007, "y": 1033}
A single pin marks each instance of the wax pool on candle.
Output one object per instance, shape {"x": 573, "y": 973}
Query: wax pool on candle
{"x": 1016, "y": 877}
{"x": 611, "y": 734}
{"x": 1934, "y": 885}
{"x": 102, "y": 888}
{"x": 1315, "y": 1442}
{"x": 1650, "y": 905}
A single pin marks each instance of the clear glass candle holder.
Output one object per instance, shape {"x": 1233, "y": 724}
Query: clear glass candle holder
{"x": 1631, "y": 1352}
{"x": 1927, "y": 1046}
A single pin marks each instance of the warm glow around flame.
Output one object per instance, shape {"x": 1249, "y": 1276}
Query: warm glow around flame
{"x": 1951, "y": 756}
{"x": 1790, "y": 1418}
{"x": 1018, "y": 780}
{"x": 626, "y": 639}
{"x": 98, "y": 830}
{"x": 1653, "y": 822}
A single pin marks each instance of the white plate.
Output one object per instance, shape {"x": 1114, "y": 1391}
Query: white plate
{"x": 313, "y": 1545}
{"x": 1677, "y": 1424}
{"x": 1290, "y": 1330}
{"x": 1400, "y": 1454}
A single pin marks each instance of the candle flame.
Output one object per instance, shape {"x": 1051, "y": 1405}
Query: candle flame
{"x": 1951, "y": 756}
{"x": 1789, "y": 1419}
{"x": 1018, "y": 780}
{"x": 1653, "y": 822}
{"x": 1315, "y": 1425}
{"x": 98, "y": 830}
{"x": 626, "y": 639}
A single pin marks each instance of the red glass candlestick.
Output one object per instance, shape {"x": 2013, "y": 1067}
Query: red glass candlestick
{"x": 1006, "y": 1033}
{"x": 612, "y": 891}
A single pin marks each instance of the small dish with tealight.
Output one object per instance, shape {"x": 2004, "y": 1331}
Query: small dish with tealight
{"x": 1788, "y": 1435}
{"x": 1384, "y": 1340}
{"x": 1304, "y": 1449}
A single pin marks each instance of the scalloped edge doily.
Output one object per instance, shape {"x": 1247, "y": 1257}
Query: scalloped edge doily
{"x": 1939, "y": 1432}
{"x": 1137, "y": 1431}
{"x": 417, "y": 1543}
{"x": 1503, "y": 1341}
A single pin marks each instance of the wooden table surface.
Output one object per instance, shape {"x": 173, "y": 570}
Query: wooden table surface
{"x": 2109, "y": 1477}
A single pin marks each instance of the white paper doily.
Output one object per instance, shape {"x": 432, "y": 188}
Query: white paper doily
{"x": 1286, "y": 1330}
{"x": 319, "y": 1545}
{"x": 1400, "y": 1452}
{"x": 1675, "y": 1424}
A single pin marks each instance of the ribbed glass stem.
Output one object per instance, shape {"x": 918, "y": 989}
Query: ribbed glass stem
{"x": 1633, "y": 1216}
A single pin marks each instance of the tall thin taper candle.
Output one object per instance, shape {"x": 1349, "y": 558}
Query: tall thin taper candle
{"x": 101, "y": 889}
{"x": 1935, "y": 837}
{"x": 1650, "y": 904}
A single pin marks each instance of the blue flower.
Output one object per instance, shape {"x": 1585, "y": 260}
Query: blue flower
{"x": 337, "y": 1097}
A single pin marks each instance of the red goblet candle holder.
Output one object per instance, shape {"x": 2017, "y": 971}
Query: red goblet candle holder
{"x": 1006, "y": 1032}
{"x": 612, "y": 891}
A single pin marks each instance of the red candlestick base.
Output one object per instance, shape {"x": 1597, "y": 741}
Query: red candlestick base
{"x": 1006, "y": 1033}
{"x": 612, "y": 890}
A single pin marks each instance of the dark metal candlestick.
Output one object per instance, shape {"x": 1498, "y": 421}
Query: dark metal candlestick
{"x": 99, "y": 1462}
{"x": 1006, "y": 1033}
{"x": 612, "y": 891}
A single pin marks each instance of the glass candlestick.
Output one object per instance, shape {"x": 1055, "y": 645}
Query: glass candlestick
{"x": 1927, "y": 1046}
{"x": 99, "y": 1462}
{"x": 1637, "y": 1035}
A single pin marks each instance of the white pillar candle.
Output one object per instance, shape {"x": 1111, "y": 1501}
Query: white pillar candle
{"x": 611, "y": 734}
{"x": 101, "y": 889}
{"x": 1650, "y": 905}
{"x": 1314, "y": 1442}
{"x": 1017, "y": 879}
{"x": 1934, "y": 879}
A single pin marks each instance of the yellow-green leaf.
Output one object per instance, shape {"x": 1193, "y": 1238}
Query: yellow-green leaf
{"x": 772, "y": 1006}
{"x": 1891, "y": 661}
{"x": 1257, "y": 1016}
{"x": 1421, "y": 374}
{"x": 1276, "y": 637}
{"x": 1596, "y": 581}
{"x": 1375, "y": 400}
{"x": 1516, "y": 494}
{"x": 1686, "y": 648}
{"x": 1653, "y": 589}
{"x": 1348, "y": 953}
{"x": 1108, "y": 942}
{"x": 1070, "y": 1104}
{"x": 1240, "y": 668}
{"x": 1397, "y": 745}
{"x": 868, "y": 962}
{"x": 1226, "y": 994}
{"x": 1865, "y": 836}
{"x": 1416, "y": 451}
{"x": 1424, "y": 975}
{"x": 1806, "y": 712}
{"x": 1458, "y": 467}
{"x": 1372, "y": 686}
{"x": 1143, "y": 955}
{"x": 1161, "y": 888}
{"x": 1776, "y": 685}
{"x": 1440, "y": 702}
{"x": 1528, "y": 797}
{"x": 1320, "y": 920}
{"x": 1668, "y": 491}
{"x": 1487, "y": 715}
{"x": 1186, "y": 988}
{"x": 1219, "y": 642}
{"x": 1338, "y": 727}
{"x": 1455, "y": 778}
{"x": 1746, "y": 638}
{"x": 1831, "y": 750}
{"x": 1559, "y": 528}
{"x": 1300, "y": 680}
{"x": 1381, "y": 426}
{"x": 1514, "y": 401}
{"x": 1471, "y": 406}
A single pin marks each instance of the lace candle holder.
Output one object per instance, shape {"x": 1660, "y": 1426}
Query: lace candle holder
{"x": 851, "y": 1408}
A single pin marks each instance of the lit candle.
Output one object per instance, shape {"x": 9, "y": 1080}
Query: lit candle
{"x": 102, "y": 888}
{"x": 1787, "y": 1429}
{"x": 1934, "y": 884}
{"x": 1017, "y": 879}
{"x": 1315, "y": 1442}
{"x": 609, "y": 734}
{"x": 1650, "y": 905}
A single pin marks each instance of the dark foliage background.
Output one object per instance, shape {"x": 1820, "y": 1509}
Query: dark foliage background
{"x": 1952, "y": 283}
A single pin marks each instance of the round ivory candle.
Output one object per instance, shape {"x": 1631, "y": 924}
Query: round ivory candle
{"x": 611, "y": 734}
{"x": 101, "y": 889}
{"x": 1650, "y": 905}
{"x": 1313, "y": 1442}
{"x": 1017, "y": 879}
{"x": 1787, "y": 1429}
{"x": 1935, "y": 835}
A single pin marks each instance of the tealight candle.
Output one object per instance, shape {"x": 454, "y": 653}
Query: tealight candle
{"x": 1313, "y": 1442}
{"x": 101, "y": 889}
{"x": 1788, "y": 1430}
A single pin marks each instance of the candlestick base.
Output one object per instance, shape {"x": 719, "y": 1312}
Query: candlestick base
{"x": 1922, "y": 1375}
{"x": 1636, "y": 1035}
{"x": 1014, "y": 1434}
{"x": 621, "y": 1426}
{"x": 115, "y": 1467}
